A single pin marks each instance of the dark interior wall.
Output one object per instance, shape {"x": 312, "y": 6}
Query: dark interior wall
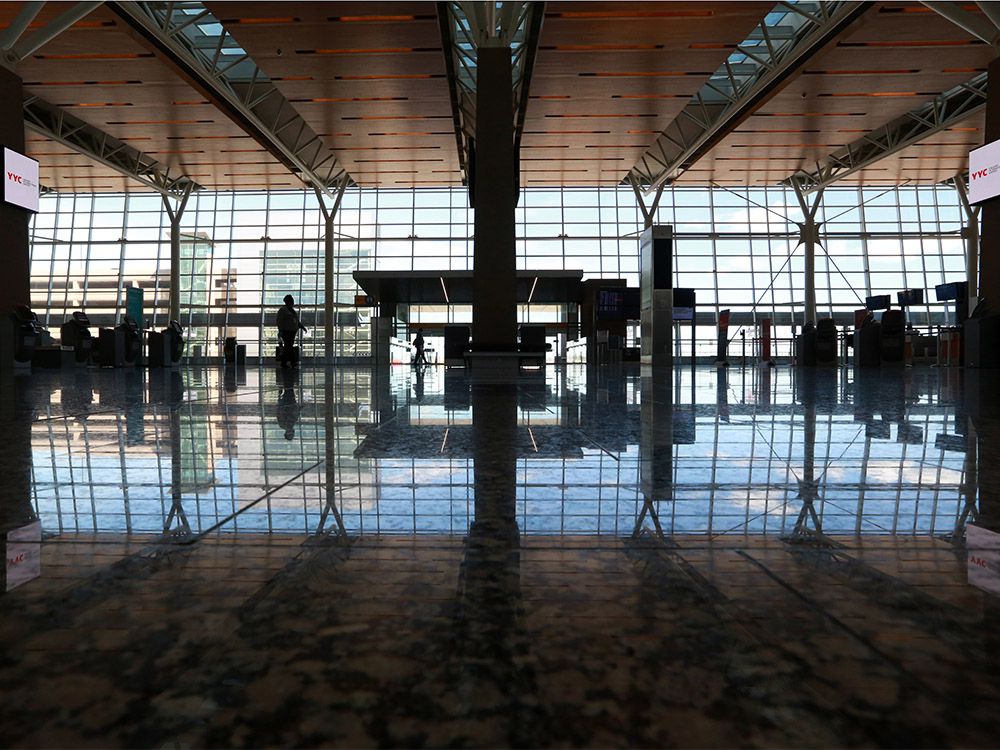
{"x": 14, "y": 281}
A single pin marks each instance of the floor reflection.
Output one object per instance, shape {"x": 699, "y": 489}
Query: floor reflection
{"x": 690, "y": 451}
{"x": 607, "y": 557}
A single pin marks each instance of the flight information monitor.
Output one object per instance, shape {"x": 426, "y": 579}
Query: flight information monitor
{"x": 878, "y": 302}
{"x": 909, "y": 297}
{"x": 951, "y": 291}
{"x": 684, "y": 303}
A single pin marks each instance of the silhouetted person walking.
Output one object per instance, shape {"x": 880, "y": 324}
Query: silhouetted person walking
{"x": 289, "y": 326}
{"x": 418, "y": 344}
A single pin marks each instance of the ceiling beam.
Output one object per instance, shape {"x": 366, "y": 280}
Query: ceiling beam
{"x": 454, "y": 94}
{"x": 22, "y": 48}
{"x": 23, "y": 19}
{"x": 205, "y": 53}
{"x": 55, "y": 124}
{"x": 974, "y": 24}
{"x": 778, "y": 47}
{"x": 466, "y": 25}
{"x": 942, "y": 112}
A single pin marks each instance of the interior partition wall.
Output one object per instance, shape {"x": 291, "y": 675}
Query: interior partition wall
{"x": 242, "y": 252}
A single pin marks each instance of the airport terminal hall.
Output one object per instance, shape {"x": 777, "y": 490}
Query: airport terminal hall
{"x": 500, "y": 374}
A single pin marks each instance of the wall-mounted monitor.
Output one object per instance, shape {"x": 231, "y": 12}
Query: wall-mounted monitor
{"x": 909, "y": 297}
{"x": 618, "y": 303}
{"x": 20, "y": 180}
{"x": 984, "y": 172}
{"x": 878, "y": 302}
{"x": 951, "y": 291}
{"x": 684, "y": 304}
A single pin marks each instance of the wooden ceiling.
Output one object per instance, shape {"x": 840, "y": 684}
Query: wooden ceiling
{"x": 99, "y": 73}
{"x": 370, "y": 79}
{"x": 611, "y": 75}
{"x": 896, "y": 58}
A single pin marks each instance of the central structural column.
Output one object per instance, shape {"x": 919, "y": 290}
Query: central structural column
{"x": 809, "y": 238}
{"x": 15, "y": 281}
{"x": 329, "y": 279}
{"x": 808, "y": 233}
{"x": 175, "y": 215}
{"x": 494, "y": 275}
{"x": 989, "y": 246}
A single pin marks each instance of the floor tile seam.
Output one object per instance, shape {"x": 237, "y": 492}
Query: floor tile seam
{"x": 824, "y": 613}
{"x": 945, "y": 615}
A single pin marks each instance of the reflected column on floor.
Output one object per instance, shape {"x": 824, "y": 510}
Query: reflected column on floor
{"x": 808, "y": 486}
{"x": 331, "y": 396}
{"x": 175, "y": 525}
{"x": 656, "y": 445}
{"x": 489, "y": 589}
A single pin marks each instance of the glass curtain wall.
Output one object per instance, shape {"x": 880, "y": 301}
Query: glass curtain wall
{"x": 242, "y": 252}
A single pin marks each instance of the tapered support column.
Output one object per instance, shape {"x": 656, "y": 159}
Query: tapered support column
{"x": 809, "y": 238}
{"x": 15, "y": 280}
{"x": 329, "y": 266}
{"x": 175, "y": 215}
{"x": 648, "y": 209}
{"x": 329, "y": 289}
{"x": 494, "y": 277}
{"x": 970, "y": 233}
{"x": 809, "y": 249}
{"x": 175, "y": 269}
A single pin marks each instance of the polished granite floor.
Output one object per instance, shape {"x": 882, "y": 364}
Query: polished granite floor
{"x": 603, "y": 557}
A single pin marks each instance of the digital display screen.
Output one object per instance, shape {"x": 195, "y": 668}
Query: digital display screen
{"x": 984, "y": 172}
{"x": 951, "y": 291}
{"x": 618, "y": 303}
{"x": 909, "y": 297}
{"x": 878, "y": 302}
{"x": 684, "y": 303}
{"x": 20, "y": 180}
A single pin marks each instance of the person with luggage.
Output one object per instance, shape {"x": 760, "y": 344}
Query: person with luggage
{"x": 289, "y": 326}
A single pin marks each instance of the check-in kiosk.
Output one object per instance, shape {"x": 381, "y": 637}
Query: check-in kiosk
{"x": 110, "y": 348}
{"x": 982, "y": 338}
{"x": 166, "y": 347}
{"x": 119, "y": 346}
{"x": 951, "y": 340}
{"x": 805, "y": 346}
{"x": 867, "y": 337}
{"x": 25, "y": 332}
{"x": 132, "y": 341}
{"x": 826, "y": 342}
{"x": 893, "y": 337}
{"x": 76, "y": 341}
{"x": 909, "y": 298}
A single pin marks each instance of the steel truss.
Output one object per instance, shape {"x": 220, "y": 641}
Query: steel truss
{"x": 940, "y": 113}
{"x": 203, "y": 49}
{"x": 57, "y": 125}
{"x": 788, "y": 37}
{"x": 16, "y": 46}
{"x": 465, "y": 26}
